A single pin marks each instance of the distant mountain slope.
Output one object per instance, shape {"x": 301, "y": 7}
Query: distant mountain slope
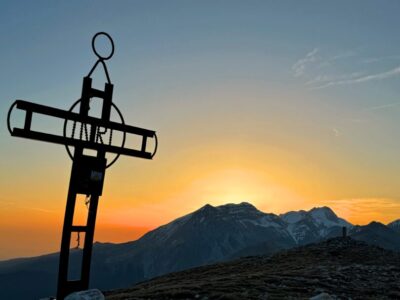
{"x": 313, "y": 225}
{"x": 395, "y": 225}
{"x": 205, "y": 236}
{"x": 377, "y": 234}
{"x": 341, "y": 267}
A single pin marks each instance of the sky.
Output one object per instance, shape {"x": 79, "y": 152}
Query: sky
{"x": 287, "y": 105}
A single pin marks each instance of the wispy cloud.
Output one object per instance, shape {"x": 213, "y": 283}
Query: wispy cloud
{"x": 12, "y": 204}
{"x": 37, "y": 209}
{"x": 331, "y": 60}
{"x": 331, "y": 78}
{"x": 299, "y": 67}
{"x": 314, "y": 61}
{"x": 365, "y": 210}
{"x": 345, "y": 54}
{"x": 377, "y": 76}
{"x": 4, "y": 204}
{"x": 336, "y": 132}
{"x": 383, "y": 106}
{"x": 378, "y": 59}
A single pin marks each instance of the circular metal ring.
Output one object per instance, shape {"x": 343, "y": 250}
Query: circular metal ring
{"x": 9, "y": 117}
{"x": 123, "y": 139}
{"x": 156, "y": 146}
{"x": 94, "y": 47}
{"x": 65, "y": 128}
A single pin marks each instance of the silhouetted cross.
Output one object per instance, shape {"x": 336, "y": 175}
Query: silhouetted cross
{"x": 87, "y": 175}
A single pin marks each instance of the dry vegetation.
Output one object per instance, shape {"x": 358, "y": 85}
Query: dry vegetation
{"x": 342, "y": 267}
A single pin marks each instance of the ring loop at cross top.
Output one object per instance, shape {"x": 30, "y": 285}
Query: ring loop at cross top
{"x": 94, "y": 46}
{"x": 101, "y": 59}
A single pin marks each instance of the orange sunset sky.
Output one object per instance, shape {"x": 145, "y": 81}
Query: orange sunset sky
{"x": 274, "y": 103}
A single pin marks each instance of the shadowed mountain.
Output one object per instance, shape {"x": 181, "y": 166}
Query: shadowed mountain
{"x": 377, "y": 234}
{"x": 206, "y": 236}
{"x": 395, "y": 225}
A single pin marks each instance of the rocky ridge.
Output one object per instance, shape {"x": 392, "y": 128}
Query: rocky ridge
{"x": 341, "y": 267}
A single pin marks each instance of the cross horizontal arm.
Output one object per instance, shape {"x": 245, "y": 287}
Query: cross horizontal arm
{"x": 89, "y": 143}
{"x": 52, "y": 138}
{"x": 71, "y": 116}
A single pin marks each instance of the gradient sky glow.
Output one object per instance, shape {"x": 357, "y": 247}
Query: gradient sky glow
{"x": 284, "y": 104}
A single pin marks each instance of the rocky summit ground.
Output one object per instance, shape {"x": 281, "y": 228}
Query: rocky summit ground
{"x": 341, "y": 267}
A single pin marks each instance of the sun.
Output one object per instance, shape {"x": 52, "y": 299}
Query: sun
{"x": 242, "y": 185}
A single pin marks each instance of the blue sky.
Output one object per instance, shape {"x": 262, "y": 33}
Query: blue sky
{"x": 211, "y": 39}
{"x": 299, "y": 96}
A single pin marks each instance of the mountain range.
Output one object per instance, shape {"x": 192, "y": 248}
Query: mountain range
{"x": 205, "y": 236}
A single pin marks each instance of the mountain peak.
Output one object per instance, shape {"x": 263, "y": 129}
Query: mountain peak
{"x": 394, "y": 223}
{"x": 206, "y": 207}
{"x": 323, "y": 212}
{"x": 325, "y": 209}
{"x": 229, "y": 207}
{"x": 376, "y": 224}
{"x": 325, "y": 215}
{"x": 244, "y": 205}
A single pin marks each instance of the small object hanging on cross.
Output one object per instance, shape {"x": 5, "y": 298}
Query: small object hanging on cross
{"x": 78, "y": 240}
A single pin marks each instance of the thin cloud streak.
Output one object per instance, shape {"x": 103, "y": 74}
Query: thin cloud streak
{"x": 378, "y": 107}
{"x": 331, "y": 60}
{"x": 378, "y": 76}
{"x": 12, "y": 204}
{"x": 6, "y": 203}
{"x": 345, "y": 54}
{"x": 321, "y": 81}
{"x": 331, "y": 78}
{"x": 336, "y": 132}
{"x": 38, "y": 209}
{"x": 378, "y": 59}
{"x": 364, "y": 210}
{"x": 299, "y": 67}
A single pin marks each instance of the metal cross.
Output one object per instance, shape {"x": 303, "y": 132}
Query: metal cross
{"x": 87, "y": 175}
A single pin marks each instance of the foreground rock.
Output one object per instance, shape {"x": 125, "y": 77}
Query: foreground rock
{"x": 341, "y": 267}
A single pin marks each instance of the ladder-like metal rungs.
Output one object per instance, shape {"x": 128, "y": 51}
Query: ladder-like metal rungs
{"x": 78, "y": 228}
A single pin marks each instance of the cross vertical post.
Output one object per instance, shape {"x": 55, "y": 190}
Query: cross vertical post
{"x": 88, "y": 171}
{"x": 91, "y": 164}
